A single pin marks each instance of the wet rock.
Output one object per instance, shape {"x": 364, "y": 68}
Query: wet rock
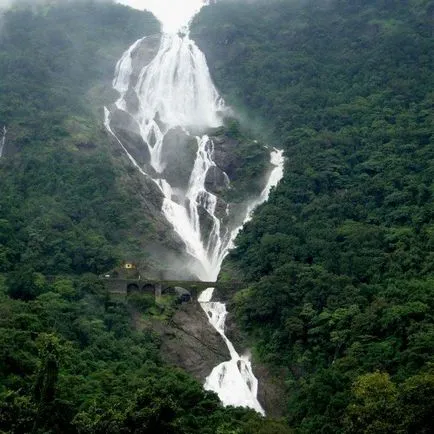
{"x": 216, "y": 180}
{"x": 191, "y": 343}
{"x": 143, "y": 55}
{"x": 128, "y": 132}
{"x": 206, "y": 223}
{"x": 179, "y": 152}
{"x": 221, "y": 209}
{"x": 177, "y": 199}
{"x": 271, "y": 389}
{"x": 132, "y": 101}
{"x": 225, "y": 155}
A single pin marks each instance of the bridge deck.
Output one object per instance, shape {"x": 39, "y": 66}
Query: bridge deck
{"x": 124, "y": 286}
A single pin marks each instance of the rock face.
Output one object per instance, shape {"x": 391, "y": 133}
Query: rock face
{"x": 125, "y": 127}
{"x": 225, "y": 155}
{"x": 216, "y": 180}
{"x": 128, "y": 132}
{"x": 143, "y": 55}
{"x": 271, "y": 391}
{"x": 191, "y": 343}
{"x": 179, "y": 152}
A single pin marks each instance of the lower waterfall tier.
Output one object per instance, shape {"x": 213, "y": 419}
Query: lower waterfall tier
{"x": 232, "y": 380}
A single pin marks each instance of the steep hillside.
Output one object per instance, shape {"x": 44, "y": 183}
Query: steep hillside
{"x": 340, "y": 259}
{"x": 67, "y": 205}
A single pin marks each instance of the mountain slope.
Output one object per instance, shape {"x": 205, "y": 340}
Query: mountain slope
{"x": 60, "y": 179}
{"x": 340, "y": 258}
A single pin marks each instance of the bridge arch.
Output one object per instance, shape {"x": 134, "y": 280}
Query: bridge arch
{"x": 168, "y": 290}
{"x": 132, "y": 287}
{"x": 148, "y": 287}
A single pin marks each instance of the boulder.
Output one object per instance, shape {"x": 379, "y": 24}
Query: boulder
{"x": 179, "y": 152}
{"x": 216, "y": 180}
{"x": 191, "y": 343}
{"x": 184, "y": 296}
{"x": 225, "y": 155}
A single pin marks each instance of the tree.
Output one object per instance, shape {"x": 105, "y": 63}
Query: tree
{"x": 374, "y": 406}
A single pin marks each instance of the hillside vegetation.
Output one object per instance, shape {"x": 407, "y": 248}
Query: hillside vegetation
{"x": 340, "y": 259}
{"x": 64, "y": 207}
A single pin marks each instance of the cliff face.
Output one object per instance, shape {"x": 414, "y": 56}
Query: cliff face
{"x": 188, "y": 341}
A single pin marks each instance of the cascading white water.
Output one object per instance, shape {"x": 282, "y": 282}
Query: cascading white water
{"x": 164, "y": 91}
{"x": 175, "y": 90}
{"x": 233, "y": 381}
{"x": 277, "y": 161}
{"x": 3, "y": 141}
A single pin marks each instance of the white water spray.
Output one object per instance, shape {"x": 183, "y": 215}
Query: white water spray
{"x": 277, "y": 161}
{"x": 175, "y": 90}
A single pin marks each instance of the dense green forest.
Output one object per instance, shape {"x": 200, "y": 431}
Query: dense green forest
{"x": 341, "y": 258}
{"x": 71, "y": 359}
{"x": 71, "y": 363}
{"x": 63, "y": 207}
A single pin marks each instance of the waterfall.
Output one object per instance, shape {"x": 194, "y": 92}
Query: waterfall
{"x": 233, "y": 380}
{"x": 174, "y": 92}
{"x": 277, "y": 161}
{"x": 3, "y": 141}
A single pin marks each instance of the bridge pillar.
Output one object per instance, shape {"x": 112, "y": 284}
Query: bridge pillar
{"x": 158, "y": 290}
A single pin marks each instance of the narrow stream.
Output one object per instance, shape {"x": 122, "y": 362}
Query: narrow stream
{"x": 3, "y": 141}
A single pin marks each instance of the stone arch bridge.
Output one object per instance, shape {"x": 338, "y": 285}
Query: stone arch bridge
{"x": 161, "y": 287}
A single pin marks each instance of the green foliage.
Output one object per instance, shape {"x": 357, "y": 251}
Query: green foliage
{"x": 50, "y": 57}
{"x": 340, "y": 258}
{"x": 141, "y": 301}
{"x": 375, "y": 407}
{"x": 378, "y": 405}
{"x": 71, "y": 362}
{"x": 66, "y": 205}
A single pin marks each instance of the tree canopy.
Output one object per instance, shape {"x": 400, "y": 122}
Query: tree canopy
{"x": 340, "y": 259}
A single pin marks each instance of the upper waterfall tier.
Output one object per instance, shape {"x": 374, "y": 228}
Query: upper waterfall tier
{"x": 174, "y": 90}
{"x": 173, "y": 14}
